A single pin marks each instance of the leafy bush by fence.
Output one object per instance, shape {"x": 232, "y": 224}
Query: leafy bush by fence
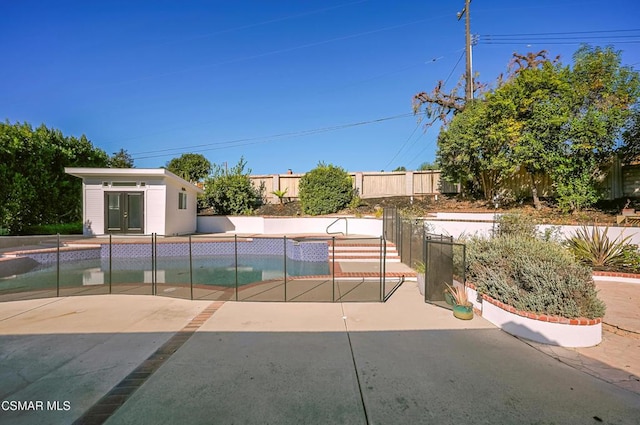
{"x": 325, "y": 189}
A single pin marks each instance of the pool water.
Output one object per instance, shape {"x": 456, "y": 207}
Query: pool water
{"x": 218, "y": 270}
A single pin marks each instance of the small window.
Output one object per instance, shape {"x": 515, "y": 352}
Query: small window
{"x": 182, "y": 201}
{"x": 123, "y": 184}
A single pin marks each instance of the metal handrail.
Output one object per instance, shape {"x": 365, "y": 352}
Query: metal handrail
{"x": 346, "y": 226}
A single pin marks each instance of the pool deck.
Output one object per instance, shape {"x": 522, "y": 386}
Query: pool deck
{"x": 132, "y": 359}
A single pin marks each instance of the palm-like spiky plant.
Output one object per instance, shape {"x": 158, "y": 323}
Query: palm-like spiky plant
{"x": 594, "y": 247}
{"x": 280, "y": 194}
{"x": 459, "y": 294}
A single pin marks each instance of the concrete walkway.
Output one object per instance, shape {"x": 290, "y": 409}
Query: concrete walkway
{"x": 617, "y": 358}
{"x": 398, "y": 362}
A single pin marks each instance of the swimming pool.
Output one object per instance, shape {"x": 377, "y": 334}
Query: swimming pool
{"x": 218, "y": 270}
{"x": 226, "y": 267}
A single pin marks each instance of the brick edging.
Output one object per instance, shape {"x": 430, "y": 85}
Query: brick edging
{"x": 616, "y": 274}
{"x": 580, "y": 321}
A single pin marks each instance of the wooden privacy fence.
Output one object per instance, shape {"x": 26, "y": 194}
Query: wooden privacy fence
{"x": 620, "y": 181}
{"x": 369, "y": 184}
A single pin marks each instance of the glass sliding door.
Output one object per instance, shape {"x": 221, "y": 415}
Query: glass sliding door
{"x": 134, "y": 218}
{"x": 124, "y": 212}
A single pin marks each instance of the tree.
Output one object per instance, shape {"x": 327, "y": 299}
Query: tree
{"x": 440, "y": 105}
{"x": 429, "y": 166}
{"x": 34, "y": 189}
{"x": 192, "y": 167}
{"x": 325, "y": 189}
{"x": 230, "y": 192}
{"x": 538, "y": 93}
{"x": 121, "y": 159}
{"x": 400, "y": 168}
{"x": 548, "y": 119}
{"x": 475, "y": 148}
{"x": 602, "y": 96}
{"x": 630, "y": 149}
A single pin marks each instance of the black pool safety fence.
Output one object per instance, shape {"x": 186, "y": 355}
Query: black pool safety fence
{"x": 438, "y": 259}
{"x": 200, "y": 267}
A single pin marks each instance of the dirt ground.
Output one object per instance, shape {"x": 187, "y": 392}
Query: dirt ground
{"x": 603, "y": 213}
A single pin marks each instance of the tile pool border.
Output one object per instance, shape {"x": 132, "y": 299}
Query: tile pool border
{"x": 297, "y": 250}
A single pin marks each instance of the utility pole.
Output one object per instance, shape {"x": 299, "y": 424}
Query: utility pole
{"x": 469, "y": 75}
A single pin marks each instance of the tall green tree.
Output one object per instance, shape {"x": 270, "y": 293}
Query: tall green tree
{"x": 476, "y": 148}
{"x": 539, "y": 96}
{"x": 603, "y": 94}
{"x": 34, "y": 189}
{"x": 192, "y": 167}
{"x": 121, "y": 159}
{"x": 548, "y": 119}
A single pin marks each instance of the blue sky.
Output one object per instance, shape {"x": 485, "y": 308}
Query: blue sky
{"x": 285, "y": 84}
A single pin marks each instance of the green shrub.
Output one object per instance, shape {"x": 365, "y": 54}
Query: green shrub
{"x": 54, "y": 229}
{"x": 324, "y": 190}
{"x": 515, "y": 224}
{"x": 630, "y": 259}
{"x": 533, "y": 275}
{"x": 230, "y": 192}
{"x": 593, "y": 247}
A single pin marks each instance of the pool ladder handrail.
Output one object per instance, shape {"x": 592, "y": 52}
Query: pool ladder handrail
{"x": 346, "y": 226}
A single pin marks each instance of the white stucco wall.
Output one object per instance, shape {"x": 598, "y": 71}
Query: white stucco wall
{"x": 560, "y": 334}
{"x": 93, "y": 210}
{"x": 154, "y": 209}
{"x": 179, "y": 222}
{"x": 300, "y": 225}
{"x": 484, "y": 228}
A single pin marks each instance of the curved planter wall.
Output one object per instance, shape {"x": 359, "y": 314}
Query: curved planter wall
{"x": 551, "y": 330}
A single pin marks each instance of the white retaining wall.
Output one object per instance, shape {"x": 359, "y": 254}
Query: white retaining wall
{"x": 301, "y": 225}
{"x": 456, "y": 224}
{"x": 560, "y": 334}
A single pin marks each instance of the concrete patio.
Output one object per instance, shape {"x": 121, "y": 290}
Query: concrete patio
{"x": 138, "y": 359}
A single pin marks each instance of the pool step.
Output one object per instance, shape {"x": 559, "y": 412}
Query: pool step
{"x": 366, "y": 253}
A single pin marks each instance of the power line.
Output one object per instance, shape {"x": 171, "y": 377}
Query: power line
{"x": 418, "y": 125}
{"x": 454, "y": 68}
{"x": 557, "y": 33}
{"x": 275, "y": 52}
{"x": 257, "y": 140}
{"x": 426, "y": 146}
{"x": 564, "y": 38}
{"x": 624, "y": 36}
{"x": 403, "y": 145}
{"x": 525, "y": 41}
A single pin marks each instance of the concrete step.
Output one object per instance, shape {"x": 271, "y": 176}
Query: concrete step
{"x": 362, "y": 252}
{"x": 355, "y": 259}
{"x": 363, "y": 255}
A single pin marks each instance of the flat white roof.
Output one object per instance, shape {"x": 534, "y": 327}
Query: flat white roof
{"x": 138, "y": 173}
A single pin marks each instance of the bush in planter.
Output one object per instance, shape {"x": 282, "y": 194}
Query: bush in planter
{"x": 533, "y": 275}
